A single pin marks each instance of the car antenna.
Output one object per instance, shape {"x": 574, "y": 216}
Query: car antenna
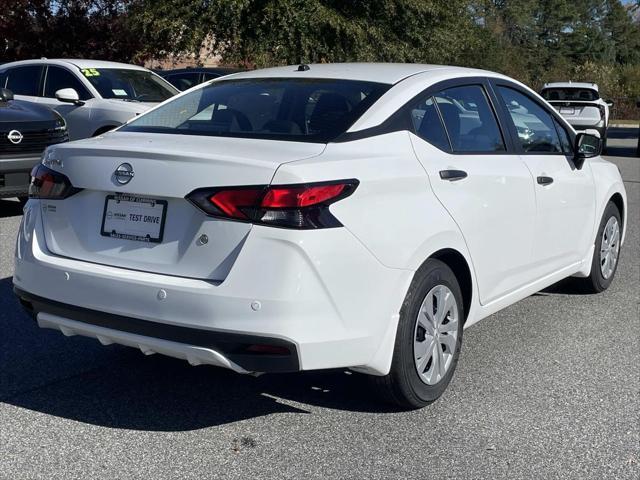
{"x": 303, "y": 67}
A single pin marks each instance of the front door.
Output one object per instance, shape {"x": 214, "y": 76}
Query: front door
{"x": 565, "y": 195}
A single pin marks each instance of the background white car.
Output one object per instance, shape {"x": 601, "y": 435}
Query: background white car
{"x": 93, "y": 96}
{"x": 322, "y": 216}
{"x": 580, "y": 104}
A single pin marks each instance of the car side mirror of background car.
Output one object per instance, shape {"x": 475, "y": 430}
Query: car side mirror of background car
{"x": 6, "y": 95}
{"x": 69, "y": 95}
{"x": 586, "y": 146}
{"x": 609, "y": 103}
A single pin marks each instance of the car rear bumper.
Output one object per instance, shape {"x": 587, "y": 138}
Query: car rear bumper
{"x": 14, "y": 174}
{"x": 197, "y": 346}
{"x": 286, "y": 288}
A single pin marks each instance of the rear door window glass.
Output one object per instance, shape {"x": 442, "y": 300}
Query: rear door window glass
{"x": 469, "y": 119}
{"x": 24, "y": 80}
{"x": 428, "y": 124}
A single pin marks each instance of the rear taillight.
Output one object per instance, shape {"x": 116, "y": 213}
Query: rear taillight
{"x": 602, "y": 112}
{"x": 303, "y": 206}
{"x": 49, "y": 184}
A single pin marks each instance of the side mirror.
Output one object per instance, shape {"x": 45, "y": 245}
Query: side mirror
{"x": 5, "y": 95}
{"x": 609, "y": 103}
{"x": 586, "y": 146}
{"x": 638, "y": 103}
{"x": 69, "y": 95}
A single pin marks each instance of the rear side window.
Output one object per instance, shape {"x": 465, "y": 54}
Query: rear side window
{"x": 24, "y": 80}
{"x": 310, "y": 110}
{"x": 570, "y": 94}
{"x": 535, "y": 126}
{"x": 428, "y": 124}
{"x": 469, "y": 119}
{"x": 59, "y": 78}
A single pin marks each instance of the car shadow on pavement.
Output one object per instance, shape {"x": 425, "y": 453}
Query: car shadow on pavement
{"x": 10, "y": 208}
{"x": 119, "y": 387}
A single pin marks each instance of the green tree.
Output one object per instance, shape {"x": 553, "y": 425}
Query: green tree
{"x": 268, "y": 32}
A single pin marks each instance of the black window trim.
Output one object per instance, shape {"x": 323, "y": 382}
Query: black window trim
{"x": 401, "y": 119}
{"x": 46, "y": 74}
{"x": 512, "y": 128}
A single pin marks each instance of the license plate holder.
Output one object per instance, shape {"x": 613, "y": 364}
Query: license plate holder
{"x": 568, "y": 110}
{"x": 131, "y": 217}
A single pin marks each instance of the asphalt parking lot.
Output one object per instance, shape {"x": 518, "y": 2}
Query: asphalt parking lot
{"x": 548, "y": 388}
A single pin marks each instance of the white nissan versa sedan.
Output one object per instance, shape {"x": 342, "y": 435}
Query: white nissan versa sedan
{"x": 319, "y": 216}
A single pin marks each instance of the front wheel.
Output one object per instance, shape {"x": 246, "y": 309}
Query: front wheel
{"x": 428, "y": 339}
{"x": 606, "y": 252}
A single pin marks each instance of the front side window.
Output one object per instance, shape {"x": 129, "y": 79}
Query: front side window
{"x": 311, "y": 110}
{"x": 24, "y": 80}
{"x": 59, "y": 78}
{"x": 469, "y": 119}
{"x": 129, "y": 84}
{"x": 535, "y": 126}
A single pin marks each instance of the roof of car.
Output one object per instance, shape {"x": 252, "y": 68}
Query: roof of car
{"x": 199, "y": 69}
{"x": 591, "y": 86}
{"x": 80, "y": 63}
{"x": 390, "y": 73}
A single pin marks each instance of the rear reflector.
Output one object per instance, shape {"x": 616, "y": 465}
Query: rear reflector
{"x": 268, "y": 349}
{"x": 49, "y": 184}
{"x": 304, "y": 206}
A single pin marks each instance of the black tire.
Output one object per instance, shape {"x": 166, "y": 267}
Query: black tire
{"x": 403, "y": 386}
{"x": 596, "y": 282}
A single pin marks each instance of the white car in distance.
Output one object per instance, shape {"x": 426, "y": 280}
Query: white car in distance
{"x": 319, "y": 216}
{"x": 581, "y": 105}
{"x": 93, "y": 96}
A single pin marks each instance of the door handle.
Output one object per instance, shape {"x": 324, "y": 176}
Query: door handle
{"x": 452, "y": 175}
{"x": 545, "y": 180}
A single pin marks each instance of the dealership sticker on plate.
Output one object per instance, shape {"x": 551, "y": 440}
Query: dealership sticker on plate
{"x": 130, "y": 217}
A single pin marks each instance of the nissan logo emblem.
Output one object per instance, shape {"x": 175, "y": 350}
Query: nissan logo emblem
{"x": 124, "y": 173}
{"x": 15, "y": 137}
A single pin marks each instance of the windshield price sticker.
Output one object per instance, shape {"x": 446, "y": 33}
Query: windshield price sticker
{"x": 90, "y": 72}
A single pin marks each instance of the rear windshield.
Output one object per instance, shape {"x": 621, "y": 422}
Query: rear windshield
{"x": 309, "y": 110}
{"x": 579, "y": 94}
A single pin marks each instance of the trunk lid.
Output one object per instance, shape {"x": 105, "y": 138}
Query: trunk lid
{"x": 166, "y": 169}
{"x": 579, "y": 113}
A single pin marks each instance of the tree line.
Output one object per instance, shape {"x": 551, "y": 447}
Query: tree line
{"x": 532, "y": 40}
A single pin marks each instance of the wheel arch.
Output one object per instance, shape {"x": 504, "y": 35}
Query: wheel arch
{"x": 458, "y": 264}
{"x": 618, "y": 201}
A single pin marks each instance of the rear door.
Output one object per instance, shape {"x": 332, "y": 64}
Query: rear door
{"x": 565, "y": 195}
{"x": 78, "y": 117}
{"x": 480, "y": 180}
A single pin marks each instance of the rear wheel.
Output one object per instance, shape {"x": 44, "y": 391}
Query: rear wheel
{"x": 607, "y": 251}
{"x": 428, "y": 339}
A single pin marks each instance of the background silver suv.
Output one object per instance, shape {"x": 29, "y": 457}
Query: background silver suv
{"x": 93, "y": 96}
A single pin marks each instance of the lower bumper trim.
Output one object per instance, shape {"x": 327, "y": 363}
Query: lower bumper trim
{"x": 162, "y": 338}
